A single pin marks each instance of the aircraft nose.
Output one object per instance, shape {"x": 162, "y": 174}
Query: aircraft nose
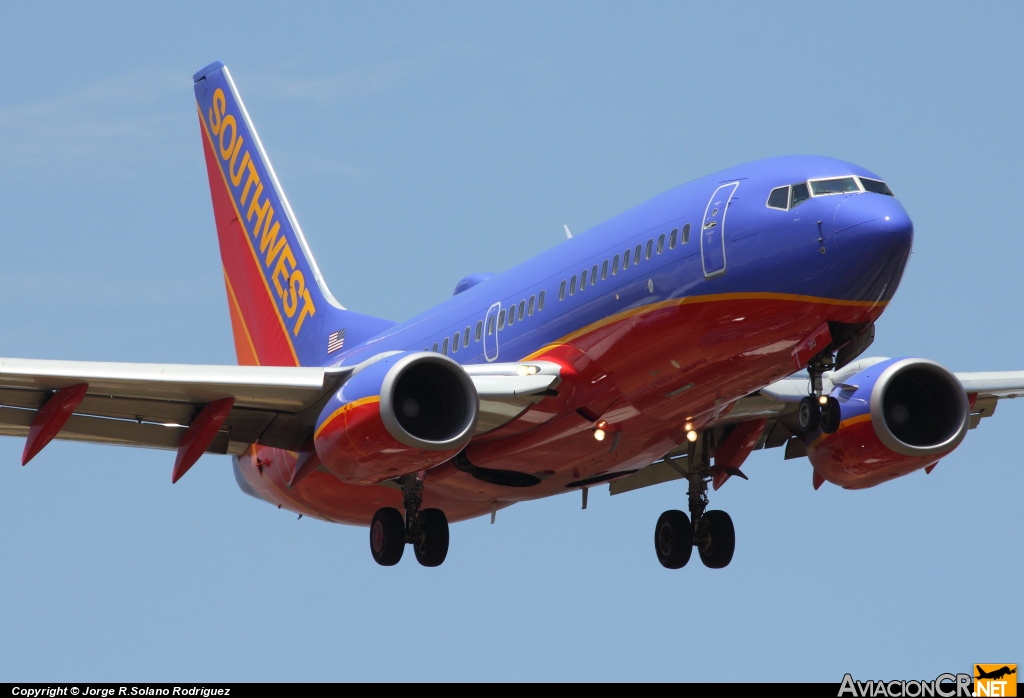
{"x": 877, "y": 216}
{"x": 873, "y": 236}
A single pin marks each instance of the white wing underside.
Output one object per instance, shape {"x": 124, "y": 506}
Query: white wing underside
{"x": 151, "y": 405}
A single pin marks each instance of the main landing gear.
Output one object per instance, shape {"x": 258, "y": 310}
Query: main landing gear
{"x": 818, "y": 410}
{"x": 711, "y": 532}
{"x": 426, "y": 529}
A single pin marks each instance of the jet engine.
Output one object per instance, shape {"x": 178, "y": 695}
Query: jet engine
{"x": 397, "y": 415}
{"x": 898, "y": 415}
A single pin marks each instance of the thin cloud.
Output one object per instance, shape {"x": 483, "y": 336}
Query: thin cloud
{"x": 125, "y": 118}
{"x": 352, "y": 83}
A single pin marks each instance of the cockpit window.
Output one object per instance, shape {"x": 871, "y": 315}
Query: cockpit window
{"x": 800, "y": 193}
{"x": 835, "y": 185}
{"x": 876, "y": 187}
{"x": 785, "y": 198}
{"x": 779, "y": 198}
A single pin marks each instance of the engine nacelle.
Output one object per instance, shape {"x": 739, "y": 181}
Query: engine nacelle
{"x": 898, "y": 416}
{"x": 398, "y": 415}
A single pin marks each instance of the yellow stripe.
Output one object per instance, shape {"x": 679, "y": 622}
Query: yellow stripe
{"x": 248, "y": 240}
{"x": 689, "y": 300}
{"x": 345, "y": 408}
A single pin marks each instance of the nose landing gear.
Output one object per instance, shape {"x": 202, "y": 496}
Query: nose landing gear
{"x": 818, "y": 410}
{"x": 426, "y": 530}
{"x": 711, "y": 532}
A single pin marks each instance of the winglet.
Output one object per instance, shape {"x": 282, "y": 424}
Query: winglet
{"x": 51, "y": 418}
{"x": 200, "y": 434}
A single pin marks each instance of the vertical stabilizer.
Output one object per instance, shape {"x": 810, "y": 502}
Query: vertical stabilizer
{"x": 281, "y": 311}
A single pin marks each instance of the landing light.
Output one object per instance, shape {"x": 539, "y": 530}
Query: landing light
{"x": 599, "y": 434}
{"x": 527, "y": 370}
{"x": 823, "y": 399}
{"x": 691, "y": 436}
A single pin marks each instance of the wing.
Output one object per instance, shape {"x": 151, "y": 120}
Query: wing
{"x": 766, "y": 419}
{"x": 153, "y": 405}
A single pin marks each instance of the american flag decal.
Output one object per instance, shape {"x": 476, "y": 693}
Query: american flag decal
{"x": 335, "y": 341}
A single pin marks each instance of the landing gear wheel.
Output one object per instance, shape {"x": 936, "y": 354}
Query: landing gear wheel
{"x": 831, "y": 416}
{"x": 432, "y": 548}
{"x": 673, "y": 539}
{"x": 717, "y": 552}
{"x": 808, "y": 415}
{"x": 387, "y": 536}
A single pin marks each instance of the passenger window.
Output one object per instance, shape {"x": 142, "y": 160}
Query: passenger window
{"x": 435, "y": 347}
{"x": 455, "y": 342}
{"x": 444, "y": 347}
{"x": 511, "y": 315}
{"x": 465, "y": 337}
{"x": 479, "y": 330}
{"x": 604, "y": 270}
{"x": 661, "y": 243}
{"x": 779, "y": 198}
{"x": 572, "y": 285}
{"x": 800, "y": 193}
{"x": 490, "y": 325}
{"x": 593, "y": 275}
{"x": 561, "y": 291}
{"x": 529, "y": 311}
{"x": 625, "y": 260}
{"x": 522, "y": 309}
{"x": 501, "y": 320}
{"x": 686, "y": 234}
{"x": 583, "y": 280}
{"x": 540, "y": 301}
{"x": 636, "y": 255}
{"x": 650, "y": 249}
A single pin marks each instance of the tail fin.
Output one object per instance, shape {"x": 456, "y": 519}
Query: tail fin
{"x": 281, "y": 311}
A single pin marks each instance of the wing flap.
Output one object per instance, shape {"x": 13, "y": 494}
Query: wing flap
{"x": 16, "y": 422}
{"x": 275, "y": 387}
{"x": 151, "y": 405}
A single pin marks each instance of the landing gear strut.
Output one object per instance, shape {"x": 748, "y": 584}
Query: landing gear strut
{"x": 426, "y": 529}
{"x": 711, "y": 532}
{"x": 817, "y": 409}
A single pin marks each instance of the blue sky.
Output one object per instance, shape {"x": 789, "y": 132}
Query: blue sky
{"x": 419, "y": 143}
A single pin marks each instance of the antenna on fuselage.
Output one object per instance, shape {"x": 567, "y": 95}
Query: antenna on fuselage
{"x": 568, "y": 235}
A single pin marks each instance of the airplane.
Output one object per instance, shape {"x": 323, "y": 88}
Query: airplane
{"x": 669, "y": 342}
{"x": 996, "y": 673}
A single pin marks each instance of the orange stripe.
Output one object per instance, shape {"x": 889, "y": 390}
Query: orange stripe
{"x": 689, "y": 300}
{"x": 845, "y": 424}
{"x": 237, "y": 311}
{"x": 241, "y": 224}
{"x": 345, "y": 408}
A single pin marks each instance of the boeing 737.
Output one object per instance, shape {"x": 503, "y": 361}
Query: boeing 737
{"x": 725, "y": 315}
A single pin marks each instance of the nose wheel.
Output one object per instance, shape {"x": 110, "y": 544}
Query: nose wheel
{"x": 425, "y": 529}
{"x": 817, "y": 410}
{"x": 711, "y": 532}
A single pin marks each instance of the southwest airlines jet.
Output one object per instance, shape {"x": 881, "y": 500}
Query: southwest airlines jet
{"x": 659, "y": 345}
